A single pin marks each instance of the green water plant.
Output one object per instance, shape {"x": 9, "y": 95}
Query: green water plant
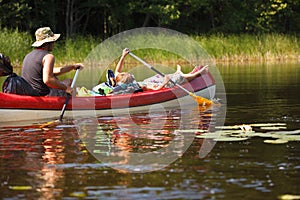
{"x": 272, "y": 131}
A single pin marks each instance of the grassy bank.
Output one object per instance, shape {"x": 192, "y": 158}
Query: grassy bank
{"x": 17, "y": 44}
{"x": 252, "y": 48}
{"x": 223, "y": 48}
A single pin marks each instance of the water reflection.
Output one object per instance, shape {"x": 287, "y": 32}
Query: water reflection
{"x": 28, "y": 159}
{"x": 143, "y": 142}
{"x": 260, "y": 93}
{"x": 46, "y": 158}
{"x": 246, "y": 170}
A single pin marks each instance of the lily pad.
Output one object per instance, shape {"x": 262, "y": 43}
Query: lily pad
{"x": 250, "y": 134}
{"x": 209, "y": 135}
{"x": 268, "y": 135}
{"x": 78, "y": 194}
{"x": 20, "y": 187}
{"x": 268, "y": 124}
{"x": 278, "y": 141}
{"x": 289, "y": 197}
{"x": 273, "y": 127}
{"x": 236, "y": 131}
{"x": 230, "y": 139}
{"x": 244, "y": 132}
{"x": 290, "y": 137}
{"x": 287, "y": 132}
{"x": 228, "y": 127}
{"x": 192, "y": 130}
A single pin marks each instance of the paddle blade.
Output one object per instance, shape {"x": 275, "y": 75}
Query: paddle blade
{"x": 50, "y": 124}
{"x": 200, "y": 100}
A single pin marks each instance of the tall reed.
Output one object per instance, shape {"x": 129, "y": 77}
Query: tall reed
{"x": 223, "y": 48}
{"x": 74, "y": 49}
{"x": 251, "y": 48}
{"x": 15, "y": 44}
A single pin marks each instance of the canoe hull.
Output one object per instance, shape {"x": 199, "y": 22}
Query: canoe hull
{"x": 23, "y": 108}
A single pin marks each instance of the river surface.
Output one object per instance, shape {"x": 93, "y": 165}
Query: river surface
{"x": 56, "y": 163}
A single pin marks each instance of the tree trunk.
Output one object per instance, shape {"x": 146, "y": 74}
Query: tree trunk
{"x": 69, "y": 17}
{"x": 146, "y": 21}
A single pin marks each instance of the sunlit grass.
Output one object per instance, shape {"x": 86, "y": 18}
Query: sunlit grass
{"x": 251, "y": 48}
{"x": 222, "y": 48}
{"x": 74, "y": 50}
{"x": 15, "y": 44}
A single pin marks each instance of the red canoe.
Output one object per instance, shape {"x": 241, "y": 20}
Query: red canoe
{"x": 18, "y": 107}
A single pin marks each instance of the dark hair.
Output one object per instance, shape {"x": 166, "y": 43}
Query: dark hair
{"x": 45, "y": 44}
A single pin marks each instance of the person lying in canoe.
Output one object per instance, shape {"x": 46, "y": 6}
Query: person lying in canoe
{"x": 106, "y": 87}
{"x": 38, "y": 67}
{"x": 126, "y": 82}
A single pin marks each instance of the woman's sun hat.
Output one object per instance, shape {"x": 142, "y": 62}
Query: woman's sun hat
{"x": 44, "y": 35}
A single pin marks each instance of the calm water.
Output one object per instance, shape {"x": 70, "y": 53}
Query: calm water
{"x": 53, "y": 163}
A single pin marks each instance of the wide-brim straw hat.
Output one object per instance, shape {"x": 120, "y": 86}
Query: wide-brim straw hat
{"x": 43, "y": 35}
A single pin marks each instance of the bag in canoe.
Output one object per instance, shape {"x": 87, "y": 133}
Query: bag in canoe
{"x": 13, "y": 84}
{"x": 5, "y": 66}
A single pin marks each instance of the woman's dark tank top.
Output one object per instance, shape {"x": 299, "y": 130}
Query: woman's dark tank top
{"x": 32, "y": 71}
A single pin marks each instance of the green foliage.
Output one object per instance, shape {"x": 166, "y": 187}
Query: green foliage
{"x": 74, "y": 49}
{"x": 15, "y": 44}
{"x": 161, "y": 12}
{"x": 105, "y": 18}
{"x": 14, "y": 13}
{"x": 246, "y": 47}
{"x": 223, "y": 48}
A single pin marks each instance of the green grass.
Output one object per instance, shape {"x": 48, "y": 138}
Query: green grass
{"x": 222, "y": 48}
{"x": 15, "y": 44}
{"x": 251, "y": 48}
{"x": 73, "y": 50}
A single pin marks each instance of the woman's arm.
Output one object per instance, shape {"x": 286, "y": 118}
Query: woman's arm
{"x": 121, "y": 62}
{"x": 67, "y": 68}
{"x": 48, "y": 76}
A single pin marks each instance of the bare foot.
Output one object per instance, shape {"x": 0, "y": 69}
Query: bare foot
{"x": 200, "y": 70}
{"x": 204, "y": 70}
{"x": 178, "y": 68}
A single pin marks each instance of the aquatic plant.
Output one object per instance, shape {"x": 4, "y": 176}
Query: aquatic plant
{"x": 276, "y": 131}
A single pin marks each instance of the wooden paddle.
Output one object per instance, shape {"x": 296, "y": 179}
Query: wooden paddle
{"x": 200, "y": 100}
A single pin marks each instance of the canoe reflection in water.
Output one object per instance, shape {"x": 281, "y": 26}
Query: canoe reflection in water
{"x": 30, "y": 159}
{"x": 143, "y": 142}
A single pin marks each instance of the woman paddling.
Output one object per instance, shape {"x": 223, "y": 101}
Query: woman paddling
{"x": 38, "y": 67}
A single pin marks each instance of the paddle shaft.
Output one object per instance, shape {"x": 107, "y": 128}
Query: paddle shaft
{"x": 158, "y": 72}
{"x": 68, "y": 96}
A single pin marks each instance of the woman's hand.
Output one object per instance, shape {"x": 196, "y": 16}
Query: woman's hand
{"x": 69, "y": 90}
{"x": 125, "y": 52}
{"x": 121, "y": 61}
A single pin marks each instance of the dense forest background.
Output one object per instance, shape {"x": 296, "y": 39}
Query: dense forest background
{"x": 104, "y": 18}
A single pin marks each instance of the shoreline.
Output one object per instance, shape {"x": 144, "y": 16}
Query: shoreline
{"x": 223, "y": 62}
{"x": 222, "y": 49}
